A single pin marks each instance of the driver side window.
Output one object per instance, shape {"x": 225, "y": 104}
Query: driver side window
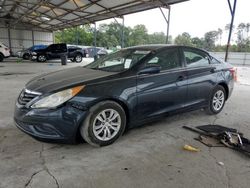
{"x": 167, "y": 59}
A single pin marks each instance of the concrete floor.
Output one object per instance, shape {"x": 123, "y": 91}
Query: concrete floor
{"x": 150, "y": 156}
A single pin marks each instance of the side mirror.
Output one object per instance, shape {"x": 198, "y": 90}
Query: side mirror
{"x": 151, "y": 69}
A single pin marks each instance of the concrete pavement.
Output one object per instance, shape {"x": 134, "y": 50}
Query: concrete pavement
{"x": 149, "y": 156}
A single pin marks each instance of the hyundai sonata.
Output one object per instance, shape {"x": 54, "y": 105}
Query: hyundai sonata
{"x": 120, "y": 91}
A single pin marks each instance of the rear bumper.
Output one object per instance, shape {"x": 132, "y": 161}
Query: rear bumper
{"x": 59, "y": 125}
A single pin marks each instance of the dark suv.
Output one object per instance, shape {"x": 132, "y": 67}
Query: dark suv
{"x": 55, "y": 51}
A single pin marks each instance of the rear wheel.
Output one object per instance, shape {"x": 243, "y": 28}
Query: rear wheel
{"x": 217, "y": 100}
{"x": 41, "y": 58}
{"x": 104, "y": 124}
{"x": 78, "y": 58}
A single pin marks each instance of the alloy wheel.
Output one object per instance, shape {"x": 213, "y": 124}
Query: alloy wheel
{"x": 218, "y": 100}
{"x": 106, "y": 124}
{"x": 78, "y": 58}
{"x": 42, "y": 58}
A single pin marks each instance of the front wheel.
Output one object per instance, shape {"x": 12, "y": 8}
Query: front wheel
{"x": 217, "y": 100}
{"x": 104, "y": 124}
{"x": 26, "y": 56}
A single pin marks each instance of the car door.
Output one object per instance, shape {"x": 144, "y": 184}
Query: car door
{"x": 201, "y": 76}
{"x": 50, "y": 51}
{"x": 163, "y": 91}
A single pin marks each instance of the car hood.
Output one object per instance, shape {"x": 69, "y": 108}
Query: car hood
{"x": 58, "y": 80}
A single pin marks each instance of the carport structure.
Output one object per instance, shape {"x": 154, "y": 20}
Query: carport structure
{"x": 60, "y": 14}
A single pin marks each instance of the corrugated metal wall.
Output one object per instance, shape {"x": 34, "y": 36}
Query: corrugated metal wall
{"x": 23, "y": 38}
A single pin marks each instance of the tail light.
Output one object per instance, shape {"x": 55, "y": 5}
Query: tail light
{"x": 233, "y": 72}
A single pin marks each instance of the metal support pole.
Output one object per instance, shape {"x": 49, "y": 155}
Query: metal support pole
{"x": 232, "y": 11}
{"x": 122, "y": 31}
{"x": 63, "y": 36}
{"x": 77, "y": 36}
{"x": 95, "y": 50}
{"x": 54, "y": 36}
{"x": 9, "y": 38}
{"x": 33, "y": 42}
{"x": 167, "y": 37}
{"x": 167, "y": 20}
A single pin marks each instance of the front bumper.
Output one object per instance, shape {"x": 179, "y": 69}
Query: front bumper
{"x": 58, "y": 125}
{"x": 33, "y": 57}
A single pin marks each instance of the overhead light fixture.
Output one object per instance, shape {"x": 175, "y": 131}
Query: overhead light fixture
{"x": 45, "y": 18}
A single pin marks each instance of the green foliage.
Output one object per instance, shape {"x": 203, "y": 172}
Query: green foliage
{"x": 184, "y": 39}
{"x": 81, "y": 35}
{"x": 209, "y": 40}
{"x": 109, "y": 36}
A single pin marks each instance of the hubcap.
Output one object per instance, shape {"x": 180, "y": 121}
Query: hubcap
{"x": 107, "y": 124}
{"x": 78, "y": 58}
{"x": 218, "y": 100}
{"x": 42, "y": 58}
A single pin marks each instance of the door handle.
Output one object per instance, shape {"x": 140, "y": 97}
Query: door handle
{"x": 180, "y": 78}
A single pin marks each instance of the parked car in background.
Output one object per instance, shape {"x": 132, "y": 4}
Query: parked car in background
{"x": 75, "y": 54}
{"x": 4, "y": 51}
{"x": 26, "y": 53}
{"x": 90, "y": 51}
{"x": 122, "y": 90}
{"x": 54, "y": 51}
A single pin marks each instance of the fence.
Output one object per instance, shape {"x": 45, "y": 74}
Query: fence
{"x": 235, "y": 58}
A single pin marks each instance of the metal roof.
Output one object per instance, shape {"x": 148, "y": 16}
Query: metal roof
{"x": 59, "y": 14}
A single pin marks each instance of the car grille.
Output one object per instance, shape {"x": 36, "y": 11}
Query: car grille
{"x": 26, "y": 96}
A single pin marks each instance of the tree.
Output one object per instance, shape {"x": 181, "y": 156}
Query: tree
{"x": 183, "y": 39}
{"x": 138, "y": 35}
{"x": 156, "y": 38}
{"x": 247, "y": 28}
{"x": 77, "y": 35}
{"x": 209, "y": 40}
{"x": 197, "y": 42}
{"x": 220, "y": 32}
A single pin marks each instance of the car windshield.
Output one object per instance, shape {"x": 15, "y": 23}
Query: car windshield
{"x": 118, "y": 61}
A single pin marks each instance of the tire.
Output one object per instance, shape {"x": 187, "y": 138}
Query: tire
{"x": 41, "y": 58}
{"x": 78, "y": 58}
{"x": 26, "y": 56}
{"x": 216, "y": 101}
{"x": 102, "y": 133}
{"x": 1, "y": 57}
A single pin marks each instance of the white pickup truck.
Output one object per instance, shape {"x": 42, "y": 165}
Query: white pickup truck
{"x": 4, "y": 51}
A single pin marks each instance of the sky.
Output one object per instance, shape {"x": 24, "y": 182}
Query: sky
{"x": 195, "y": 17}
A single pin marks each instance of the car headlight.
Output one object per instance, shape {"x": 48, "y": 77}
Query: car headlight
{"x": 34, "y": 53}
{"x": 58, "y": 98}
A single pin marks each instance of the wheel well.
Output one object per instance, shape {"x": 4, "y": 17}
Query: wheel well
{"x": 79, "y": 53}
{"x": 122, "y": 104}
{"x": 224, "y": 85}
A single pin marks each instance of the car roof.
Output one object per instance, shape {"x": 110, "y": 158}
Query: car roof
{"x": 152, "y": 47}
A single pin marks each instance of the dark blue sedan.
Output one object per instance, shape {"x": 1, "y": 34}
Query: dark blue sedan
{"x": 122, "y": 90}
